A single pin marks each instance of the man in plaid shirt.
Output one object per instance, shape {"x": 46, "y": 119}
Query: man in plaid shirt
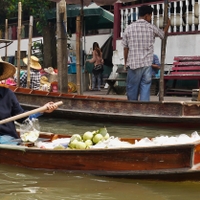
{"x": 35, "y": 75}
{"x": 138, "y": 40}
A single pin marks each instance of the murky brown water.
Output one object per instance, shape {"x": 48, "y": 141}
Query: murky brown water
{"x": 24, "y": 184}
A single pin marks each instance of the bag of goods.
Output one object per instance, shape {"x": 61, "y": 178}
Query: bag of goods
{"x": 30, "y": 130}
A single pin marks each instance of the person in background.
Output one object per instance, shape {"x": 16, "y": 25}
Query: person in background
{"x": 98, "y": 66}
{"x": 156, "y": 72}
{"x": 35, "y": 75}
{"x": 9, "y": 105}
{"x": 138, "y": 40}
{"x": 155, "y": 66}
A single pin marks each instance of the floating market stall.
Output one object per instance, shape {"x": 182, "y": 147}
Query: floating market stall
{"x": 127, "y": 157}
{"x": 107, "y": 109}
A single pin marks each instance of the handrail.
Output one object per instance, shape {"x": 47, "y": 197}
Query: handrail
{"x": 184, "y": 16}
{"x": 6, "y": 43}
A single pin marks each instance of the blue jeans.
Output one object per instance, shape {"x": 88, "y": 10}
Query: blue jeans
{"x": 96, "y": 78}
{"x": 138, "y": 83}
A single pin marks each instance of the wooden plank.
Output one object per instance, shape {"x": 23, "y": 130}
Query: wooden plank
{"x": 178, "y": 92}
{"x": 188, "y": 68}
{"x": 115, "y": 79}
{"x": 181, "y": 77}
{"x": 177, "y": 89}
{"x": 184, "y": 68}
{"x": 187, "y": 58}
{"x": 189, "y": 62}
{"x": 186, "y": 73}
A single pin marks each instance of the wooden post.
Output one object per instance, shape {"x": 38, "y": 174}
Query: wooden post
{"x": 29, "y": 50}
{"x": 163, "y": 52}
{"x": 19, "y": 42}
{"x": 81, "y": 48}
{"x": 116, "y": 26}
{"x": 198, "y": 96}
{"x": 6, "y": 37}
{"x": 62, "y": 53}
{"x": 78, "y": 57}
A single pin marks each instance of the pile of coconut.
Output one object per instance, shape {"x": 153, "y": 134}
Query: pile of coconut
{"x": 77, "y": 141}
{"x": 102, "y": 139}
{"x": 88, "y": 139}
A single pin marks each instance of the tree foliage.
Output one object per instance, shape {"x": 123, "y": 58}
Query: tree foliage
{"x": 4, "y": 5}
{"x": 36, "y": 8}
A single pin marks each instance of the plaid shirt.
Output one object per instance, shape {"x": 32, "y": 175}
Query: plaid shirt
{"x": 35, "y": 79}
{"x": 139, "y": 37}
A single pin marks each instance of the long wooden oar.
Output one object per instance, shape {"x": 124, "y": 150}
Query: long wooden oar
{"x": 40, "y": 109}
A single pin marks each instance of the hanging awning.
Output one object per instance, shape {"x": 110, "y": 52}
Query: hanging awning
{"x": 95, "y": 17}
{"x": 98, "y": 2}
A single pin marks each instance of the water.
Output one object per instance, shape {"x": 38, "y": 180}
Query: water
{"x": 115, "y": 129}
{"x": 25, "y": 184}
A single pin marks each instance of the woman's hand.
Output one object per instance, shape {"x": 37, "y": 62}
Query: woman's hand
{"x": 50, "y": 107}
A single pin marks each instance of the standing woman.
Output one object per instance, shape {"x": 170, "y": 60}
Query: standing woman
{"x": 98, "y": 66}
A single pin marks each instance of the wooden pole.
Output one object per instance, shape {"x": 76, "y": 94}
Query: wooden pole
{"x": 116, "y": 25}
{"x": 78, "y": 56}
{"x": 25, "y": 114}
{"x": 163, "y": 52}
{"x": 29, "y": 50}
{"x": 62, "y": 57}
{"x": 81, "y": 48}
{"x": 6, "y": 37}
{"x": 19, "y": 42}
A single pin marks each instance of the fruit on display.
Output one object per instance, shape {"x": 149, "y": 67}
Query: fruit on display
{"x": 59, "y": 147}
{"x": 88, "y": 143}
{"x": 106, "y": 136}
{"x": 88, "y": 139}
{"x": 88, "y": 135}
{"x": 97, "y": 138}
{"x": 80, "y": 145}
{"x": 75, "y": 137}
{"x": 73, "y": 144}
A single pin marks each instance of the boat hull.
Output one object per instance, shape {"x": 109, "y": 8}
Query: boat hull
{"x": 173, "y": 162}
{"x": 112, "y": 109}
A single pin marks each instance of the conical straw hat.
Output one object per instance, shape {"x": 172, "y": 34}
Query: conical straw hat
{"x": 44, "y": 80}
{"x": 8, "y": 70}
{"x": 34, "y": 62}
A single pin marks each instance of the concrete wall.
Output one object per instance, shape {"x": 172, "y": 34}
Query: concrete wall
{"x": 176, "y": 46}
{"x": 87, "y": 43}
{"x": 13, "y": 47}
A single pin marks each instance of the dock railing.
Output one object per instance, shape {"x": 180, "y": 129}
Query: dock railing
{"x": 184, "y": 16}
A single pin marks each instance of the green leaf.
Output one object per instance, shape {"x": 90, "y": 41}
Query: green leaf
{"x": 103, "y": 131}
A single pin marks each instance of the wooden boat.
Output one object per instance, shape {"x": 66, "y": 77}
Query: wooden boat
{"x": 167, "y": 162}
{"x": 112, "y": 109}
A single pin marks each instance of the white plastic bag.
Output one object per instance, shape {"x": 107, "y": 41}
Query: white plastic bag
{"x": 30, "y": 130}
